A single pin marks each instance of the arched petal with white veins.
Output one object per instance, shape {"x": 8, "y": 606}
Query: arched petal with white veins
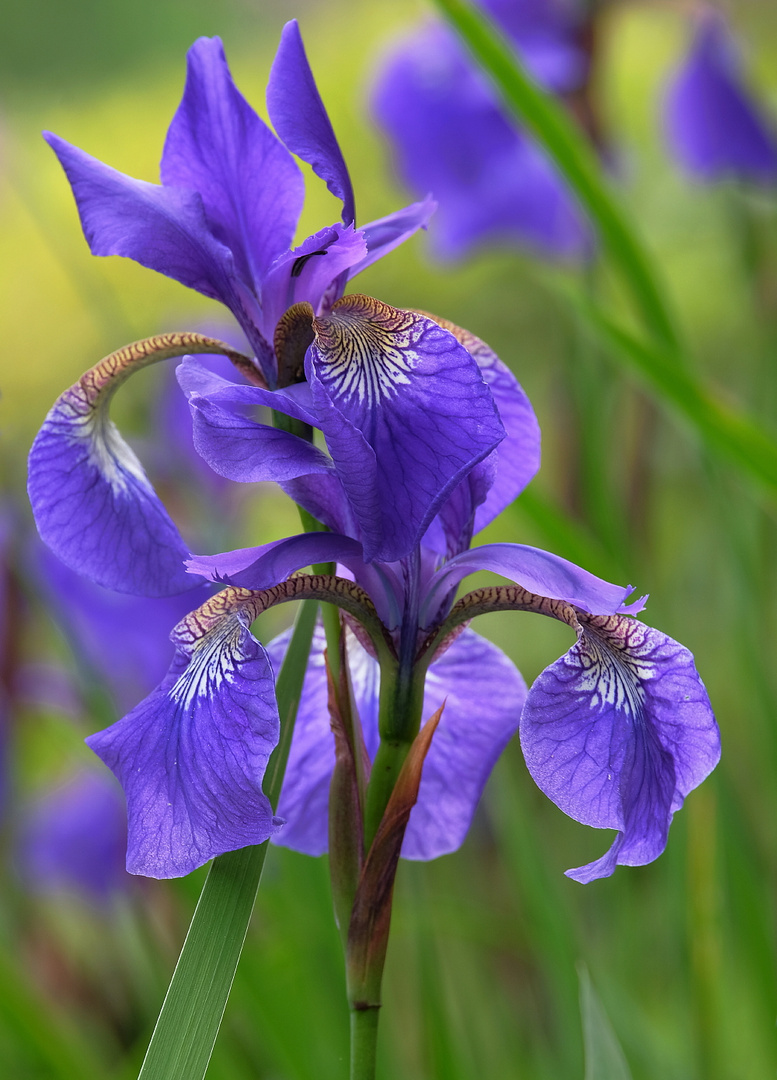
{"x": 405, "y": 413}
{"x": 191, "y": 757}
{"x": 617, "y": 732}
{"x": 93, "y": 504}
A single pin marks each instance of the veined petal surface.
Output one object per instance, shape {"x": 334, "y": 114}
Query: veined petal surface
{"x": 484, "y": 692}
{"x": 93, "y": 503}
{"x": 243, "y": 450}
{"x": 299, "y": 117}
{"x": 617, "y": 732}
{"x": 192, "y": 755}
{"x": 405, "y": 413}
{"x": 162, "y": 228}
{"x": 503, "y": 475}
{"x": 251, "y": 188}
{"x": 262, "y": 567}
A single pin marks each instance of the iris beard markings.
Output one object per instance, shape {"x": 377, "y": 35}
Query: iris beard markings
{"x": 107, "y": 452}
{"x": 612, "y": 670}
{"x": 368, "y": 353}
{"x": 212, "y": 663}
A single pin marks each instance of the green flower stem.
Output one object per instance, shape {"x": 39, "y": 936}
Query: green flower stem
{"x": 329, "y": 615}
{"x": 401, "y": 706}
{"x": 364, "y": 1042}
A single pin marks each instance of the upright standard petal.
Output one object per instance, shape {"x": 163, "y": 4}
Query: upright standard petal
{"x": 714, "y": 128}
{"x": 405, "y": 413}
{"x": 299, "y": 117}
{"x": 92, "y": 501}
{"x": 251, "y": 188}
{"x": 162, "y": 228}
{"x": 191, "y": 757}
{"x": 617, "y": 732}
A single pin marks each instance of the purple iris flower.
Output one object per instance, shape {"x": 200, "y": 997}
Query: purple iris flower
{"x": 713, "y": 126}
{"x": 617, "y": 732}
{"x": 451, "y": 136}
{"x": 73, "y": 839}
{"x": 394, "y": 424}
{"x": 224, "y": 217}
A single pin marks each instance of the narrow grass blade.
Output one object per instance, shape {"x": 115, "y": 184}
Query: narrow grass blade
{"x": 604, "y": 1059}
{"x": 191, "y": 1015}
{"x": 548, "y": 122}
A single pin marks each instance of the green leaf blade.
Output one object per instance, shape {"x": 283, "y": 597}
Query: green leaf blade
{"x": 552, "y": 127}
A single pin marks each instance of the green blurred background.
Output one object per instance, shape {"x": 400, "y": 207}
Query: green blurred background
{"x": 488, "y": 945}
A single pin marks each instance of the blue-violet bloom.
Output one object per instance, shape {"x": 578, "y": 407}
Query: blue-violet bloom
{"x": 616, "y": 732}
{"x": 451, "y": 136}
{"x": 222, "y": 222}
{"x": 714, "y": 127}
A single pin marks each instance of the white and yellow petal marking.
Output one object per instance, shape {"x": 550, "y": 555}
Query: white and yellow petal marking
{"x": 367, "y": 349}
{"x": 92, "y": 501}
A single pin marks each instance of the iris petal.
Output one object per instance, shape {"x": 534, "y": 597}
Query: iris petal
{"x": 162, "y": 228}
{"x": 299, "y": 117}
{"x": 251, "y": 189}
{"x": 92, "y": 501}
{"x": 501, "y": 477}
{"x": 617, "y": 732}
{"x": 535, "y": 570}
{"x": 405, "y": 413}
{"x": 191, "y": 757}
{"x": 93, "y": 504}
{"x": 386, "y": 233}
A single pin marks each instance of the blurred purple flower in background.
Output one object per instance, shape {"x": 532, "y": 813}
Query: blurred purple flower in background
{"x": 452, "y": 138}
{"x": 73, "y": 839}
{"x": 714, "y": 127}
{"x": 124, "y": 640}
